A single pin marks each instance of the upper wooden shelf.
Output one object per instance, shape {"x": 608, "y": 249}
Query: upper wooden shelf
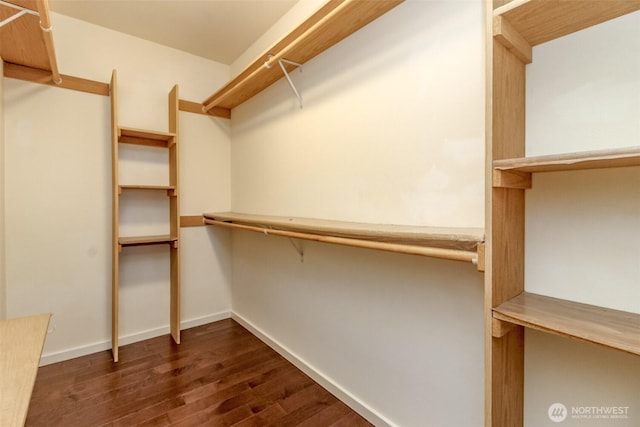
{"x": 611, "y": 328}
{"x": 23, "y": 41}
{"x": 451, "y": 243}
{"x": 336, "y": 20}
{"x": 145, "y": 137}
{"x": 539, "y": 21}
{"x": 21, "y": 341}
{"x": 601, "y": 159}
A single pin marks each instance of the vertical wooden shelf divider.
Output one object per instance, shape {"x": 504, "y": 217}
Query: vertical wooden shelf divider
{"x": 174, "y": 215}
{"x": 115, "y": 221}
{"x": 504, "y": 256}
{"x": 159, "y": 140}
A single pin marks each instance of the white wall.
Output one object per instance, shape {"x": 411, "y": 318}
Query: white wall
{"x": 58, "y": 186}
{"x": 3, "y": 307}
{"x": 391, "y": 132}
{"x": 582, "y": 228}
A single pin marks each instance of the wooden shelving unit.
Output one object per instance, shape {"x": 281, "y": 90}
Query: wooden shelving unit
{"x": 146, "y": 137}
{"x": 615, "y": 329}
{"x": 28, "y": 40}
{"x": 146, "y": 240}
{"x": 540, "y": 21}
{"x": 601, "y": 159}
{"x": 160, "y": 140}
{"x": 170, "y": 189}
{"x": 21, "y": 341}
{"x": 336, "y": 20}
{"x": 460, "y": 244}
{"x": 515, "y": 27}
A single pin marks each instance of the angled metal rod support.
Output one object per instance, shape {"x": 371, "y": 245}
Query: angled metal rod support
{"x": 298, "y": 249}
{"x": 281, "y": 62}
{"x": 21, "y": 12}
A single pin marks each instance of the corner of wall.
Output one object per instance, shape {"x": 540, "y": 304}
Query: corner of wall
{"x": 3, "y": 304}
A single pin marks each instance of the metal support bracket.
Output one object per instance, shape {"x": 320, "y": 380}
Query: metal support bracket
{"x": 281, "y": 62}
{"x": 21, "y": 12}
{"x": 298, "y": 249}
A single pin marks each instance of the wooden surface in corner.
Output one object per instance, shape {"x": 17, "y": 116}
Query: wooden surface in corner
{"x": 21, "y": 342}
{"x": 192, "y": 221}
{"x": 196, "y": 107}
{"x": 21, "y": 40}
{"x": 36, "y": 75}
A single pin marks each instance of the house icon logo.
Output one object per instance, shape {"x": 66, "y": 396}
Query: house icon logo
{"x": 557, "y": 412}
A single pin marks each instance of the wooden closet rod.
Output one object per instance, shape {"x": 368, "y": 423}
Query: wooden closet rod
{"x": 451, "y": 254}
{"x": 45, "y": 25}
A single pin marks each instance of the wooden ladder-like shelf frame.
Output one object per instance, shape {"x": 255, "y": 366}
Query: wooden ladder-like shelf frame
{"x": 162, "y": 140}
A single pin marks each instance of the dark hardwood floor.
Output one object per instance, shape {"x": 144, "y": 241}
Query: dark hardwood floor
{"x": 221, "y": 375}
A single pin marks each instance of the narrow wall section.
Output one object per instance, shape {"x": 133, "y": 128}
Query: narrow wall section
{"x": 392, "y": 131}
{"x": 3, "y": 292}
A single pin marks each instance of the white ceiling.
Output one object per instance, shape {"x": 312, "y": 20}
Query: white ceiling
{"x": 220, "y": 30}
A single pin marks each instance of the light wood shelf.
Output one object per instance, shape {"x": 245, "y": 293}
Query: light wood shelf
{"x": 615, "y": 158}
{"x": 615, "y": 329}
{"x": 145, "y": 137}
{"x": 539, "y": 21}
{"x": 170, "y": 189}
{"x": 24, "y": 42}
{"x": 459, "y": 244}
{"x": 146, "y": 240}
{"x": 336, "y": 20}
{"x": 21, "y": 342}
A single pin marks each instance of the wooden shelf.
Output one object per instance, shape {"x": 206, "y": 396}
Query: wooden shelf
{"x": 615, "y": 329}
{"x": 450, "y": 243}
{"x": 572, "y": 161}
{"x": 23, "y": 41}
{"x": 333, "y": 22}
{"x": 145, "y": 137}
{"x": 146, "y": 240}
{"x": 170, "y": 189}
{"x": 539, "y": 21}
{"x": 21, "y": 341}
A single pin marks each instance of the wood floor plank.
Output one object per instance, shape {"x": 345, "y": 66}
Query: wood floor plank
{"x": 262, "y": 418}
{"x": 329, "y": 415}
{"x": 221, "y": 375}
{"x": 351, "y": 419}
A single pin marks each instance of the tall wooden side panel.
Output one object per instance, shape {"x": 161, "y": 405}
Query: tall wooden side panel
{"x": 115, "y": 247}
{"x": 174, "y": 215}
{"x": 504, "y": 275}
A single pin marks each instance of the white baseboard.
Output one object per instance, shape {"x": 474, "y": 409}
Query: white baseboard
{"x": 84, "y": 350}
{"x": 353, "y": 402}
